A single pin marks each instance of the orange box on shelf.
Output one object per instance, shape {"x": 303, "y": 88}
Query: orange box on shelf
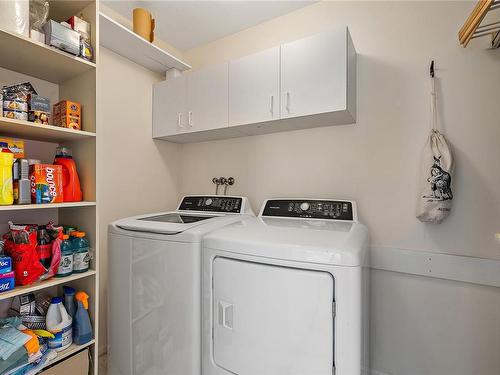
{"x": 68, "y": 114}
{"x": 46, "y": 183}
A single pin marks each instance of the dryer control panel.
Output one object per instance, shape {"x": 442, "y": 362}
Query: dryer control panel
{"x": 212, "y": 203}
{"x": 310, "y": 208}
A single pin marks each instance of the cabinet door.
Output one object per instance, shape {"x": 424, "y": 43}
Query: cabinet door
{"x": 207, "y": 98}
{"x": 254, "y": 88}
{"x": 169, "y": 107}
{"x": 313, "y": 74}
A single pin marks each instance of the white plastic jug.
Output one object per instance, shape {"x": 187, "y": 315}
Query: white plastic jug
{"x": 59, "y": 324}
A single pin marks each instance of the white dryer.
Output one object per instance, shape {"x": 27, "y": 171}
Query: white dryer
{"x": 287, "y": 292}
{"x": 154, "y": 315}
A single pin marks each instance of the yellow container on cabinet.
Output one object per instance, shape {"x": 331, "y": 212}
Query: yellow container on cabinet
{"x": 6, "y": 189}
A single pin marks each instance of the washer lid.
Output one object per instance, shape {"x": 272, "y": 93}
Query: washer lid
{"x": 193, "y": 211}
{"x": 303, "y": 240}
{"x": 166, "y": 222}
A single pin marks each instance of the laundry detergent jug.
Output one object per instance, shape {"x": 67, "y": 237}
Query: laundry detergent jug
{"x": 59, "y": 324}
{"x": 72, "y": 191}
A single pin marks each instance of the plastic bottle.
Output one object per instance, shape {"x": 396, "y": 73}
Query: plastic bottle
{"x": 82, "y": 327}
{"x": 66, "y": 264}
{"x": 59, "y": 323}
{"x": 72, "y": 191}
{"x": 44, "y": 246}
{"x": 69, "y": 301}
{"x": 81, "y": 253}
{"x": 6, "y": 186}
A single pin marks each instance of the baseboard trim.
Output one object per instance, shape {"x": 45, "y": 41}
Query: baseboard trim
{"x": 442, "y": 266}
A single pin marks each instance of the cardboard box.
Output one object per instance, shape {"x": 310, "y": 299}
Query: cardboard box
{"x": 46, "y": 183}
{"x": 16, "y": 115}
{"x": 61, "y": 37}
{"x": 7, "y": 281}
{"x": 5, "y": 264}
{"x": 77, "y": 364}
{"x": 38, "y": 103}
{"x": 39, "y": 117}
{"x": 68, "y": 114}
{"x": 16, "y": 146}
{"x": 81, "y": 27}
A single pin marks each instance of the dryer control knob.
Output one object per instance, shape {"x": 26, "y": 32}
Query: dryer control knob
{"x": 304, "y": 206}
{"x": 208, "y": 202}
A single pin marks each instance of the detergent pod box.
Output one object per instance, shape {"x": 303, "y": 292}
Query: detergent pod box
{"x": 46, "y": 183}
{"x": 5, "y": 264}
{"x": 7, "y": 281}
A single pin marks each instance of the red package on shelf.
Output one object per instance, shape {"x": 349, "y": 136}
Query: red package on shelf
{"x": 25, "y": 259}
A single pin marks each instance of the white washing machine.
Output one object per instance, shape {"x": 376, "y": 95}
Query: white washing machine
{"x": 287, "y": 292}
{"x": 154, "y": 314}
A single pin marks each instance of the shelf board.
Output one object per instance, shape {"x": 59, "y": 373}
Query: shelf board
{"x": 72, "y": 349}
{"x": 18, "y": 207}
{"x": 45, "y": 284}
{"x": 46, "y": 133}
{"x": 126, "y": 43}
{"x": 36, "y": 59}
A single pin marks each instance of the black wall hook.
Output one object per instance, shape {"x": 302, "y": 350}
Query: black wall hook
{"x": 431, "y": 69}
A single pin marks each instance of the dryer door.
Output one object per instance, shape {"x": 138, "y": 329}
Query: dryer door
{"x": 271, "y": 319}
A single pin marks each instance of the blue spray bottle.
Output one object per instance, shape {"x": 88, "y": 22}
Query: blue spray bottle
{"x": 82, "y": 329}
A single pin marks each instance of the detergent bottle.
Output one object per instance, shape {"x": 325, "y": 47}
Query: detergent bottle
{"x": 59, "y": 323}
{"x": 66, "y": 264}
{"x": 82, "y": 327}
{"x": 6, "y": 186}
{"x": 81, "y": 252}
{"x": 72, "y": 191}
{"x": 69, "y": 301}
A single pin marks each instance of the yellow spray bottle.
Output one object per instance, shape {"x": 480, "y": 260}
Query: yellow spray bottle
{"x": 6, "y": 187}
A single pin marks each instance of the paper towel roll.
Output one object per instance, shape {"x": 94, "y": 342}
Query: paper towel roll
{"x": 15, "y": 16}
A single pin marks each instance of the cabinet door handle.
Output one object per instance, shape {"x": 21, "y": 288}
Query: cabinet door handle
{"x": 190, "y": 115}
{"x": 272, "y": 105}
{"x": 288, "y": 101}
{"x": 179, "y": 120}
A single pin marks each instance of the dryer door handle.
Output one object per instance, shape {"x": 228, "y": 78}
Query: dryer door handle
{"x": 226, "y": 314}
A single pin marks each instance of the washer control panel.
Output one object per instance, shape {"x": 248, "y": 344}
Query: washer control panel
{"x": 212, "y": 203}
{"x": 309, "y": 208}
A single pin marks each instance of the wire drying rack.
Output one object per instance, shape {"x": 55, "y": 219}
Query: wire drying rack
{"x": 478, "y": 24}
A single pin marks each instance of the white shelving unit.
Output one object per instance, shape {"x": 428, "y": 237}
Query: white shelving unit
{"x": 126, "y": 43}
{"x": 59, "y": 76}
{"x": 45, "y": 133}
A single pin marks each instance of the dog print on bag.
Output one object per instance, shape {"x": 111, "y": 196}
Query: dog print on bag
{"x": 440, "y": 181}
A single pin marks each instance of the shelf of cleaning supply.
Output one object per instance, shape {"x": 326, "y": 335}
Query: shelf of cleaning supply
{"x": 63, "y": 354}
{"x": 46, "y": 133}
{"x": 18, "y": 207}
{"x": 20, "y": 290}
{"x": 24, "y": 55}
{"x": 128, "y": 44}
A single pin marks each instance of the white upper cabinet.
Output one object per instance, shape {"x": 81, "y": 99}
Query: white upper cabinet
{"x": 191, "y": 102}
{"x": 303, "y": 84}
{"x": 314, "y": 74}
{"x": 207, "y": 98}
{"x": 169, "y": 107}
{"x": 254, "y": 84}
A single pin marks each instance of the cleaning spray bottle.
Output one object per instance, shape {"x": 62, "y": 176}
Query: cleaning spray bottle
{"x": 82, "y": 329}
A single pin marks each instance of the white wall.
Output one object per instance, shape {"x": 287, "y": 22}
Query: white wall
{"x": 420, "y": 325}
{"x": 135, "y": 173}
